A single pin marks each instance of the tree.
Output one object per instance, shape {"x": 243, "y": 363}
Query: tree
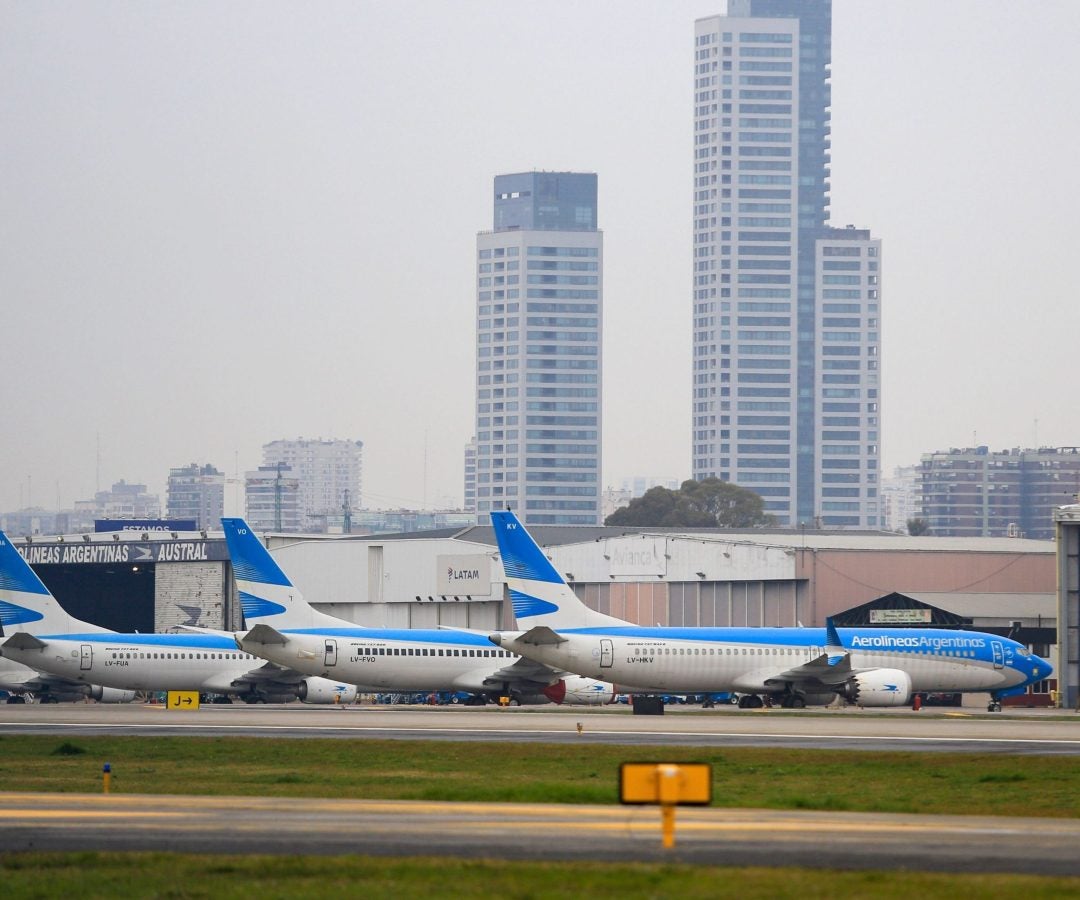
{"x": 696, "y": 504}
{"x": 915, "y": 527}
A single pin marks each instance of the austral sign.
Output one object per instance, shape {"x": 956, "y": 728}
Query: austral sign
{"x": 121, "y": 552}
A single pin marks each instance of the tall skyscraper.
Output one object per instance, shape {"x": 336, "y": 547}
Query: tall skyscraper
{"x": 539, "y": 305}
{"x": 786, "y": 393}
{"x": 469, "y": 505}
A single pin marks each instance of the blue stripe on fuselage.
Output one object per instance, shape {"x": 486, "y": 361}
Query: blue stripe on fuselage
{"x": 186, "y": 641}
{"x": 859, "y": 640}
{"x": 407, "y": 635}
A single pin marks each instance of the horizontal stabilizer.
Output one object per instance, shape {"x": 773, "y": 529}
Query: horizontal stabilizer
{"x": 264, "y": 634}
{"x": 20, "y": 640}
{"x": 541, "y": 634}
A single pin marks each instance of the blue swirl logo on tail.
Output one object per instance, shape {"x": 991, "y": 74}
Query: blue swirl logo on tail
{"x": 10, "y": 614}
{"x": 526, "y": 605}
{"x": 258, "y": 607}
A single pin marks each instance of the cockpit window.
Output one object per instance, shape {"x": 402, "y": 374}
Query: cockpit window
{"x": 1023, "y": 651}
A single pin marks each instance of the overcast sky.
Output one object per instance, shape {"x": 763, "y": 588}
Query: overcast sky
{"x": 227, "y": 223}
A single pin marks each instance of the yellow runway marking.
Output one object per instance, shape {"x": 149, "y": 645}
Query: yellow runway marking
{"x": 81, "y": 814}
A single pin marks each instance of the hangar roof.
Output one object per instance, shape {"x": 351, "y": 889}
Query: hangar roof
{"x": 991, "y": 605}
{"x": 558, "y": 535}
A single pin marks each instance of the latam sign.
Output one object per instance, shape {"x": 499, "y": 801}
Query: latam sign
{"x": 461, "y": 576}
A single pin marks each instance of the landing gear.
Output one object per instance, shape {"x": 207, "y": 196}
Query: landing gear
{"x": 993, "y": 706}
{"x": 750, "y": 701}
{"x": 15, "y": 698}
{"x": 793, "y": 701}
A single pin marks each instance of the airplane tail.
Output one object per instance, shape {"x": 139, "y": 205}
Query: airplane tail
{"x": 266, "y": 594}
{"x": 26, "y": 604}
{"x": 539, "y": 594}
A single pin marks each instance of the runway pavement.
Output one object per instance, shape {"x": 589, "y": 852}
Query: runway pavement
{"x": 1033, "y": 732}
{"x": 518, "y": 831}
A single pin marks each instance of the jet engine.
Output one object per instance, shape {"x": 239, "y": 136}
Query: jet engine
{"x": 878, "y": 687}
{"x": 110, "y": 695}
{"x": 323, "y": 690}
{"x": 577, "y": 690}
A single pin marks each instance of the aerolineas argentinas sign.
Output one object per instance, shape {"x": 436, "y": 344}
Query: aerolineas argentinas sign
{"x": 461, "y": 576}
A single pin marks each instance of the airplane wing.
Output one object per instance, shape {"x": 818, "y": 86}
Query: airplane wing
{"x": 260, "y": 675}
{"x": 21, "y": 679}
{"x": 525, "y": 673}
{"x": 199, "y": 629}
{"x": 824, "y": 669}
{"x": 270, "y": 673}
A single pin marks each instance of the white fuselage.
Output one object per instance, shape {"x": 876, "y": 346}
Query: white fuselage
{"x": 648, "y": 661}
{"x": 152, "y": 662}
{"x": 409, "y": 661}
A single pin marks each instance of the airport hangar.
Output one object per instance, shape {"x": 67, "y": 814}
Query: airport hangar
{"x": 158, "y": 580}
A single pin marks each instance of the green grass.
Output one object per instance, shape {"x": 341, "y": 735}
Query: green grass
{"x": 550, "y": 773}
{"x": 90, "y": 875}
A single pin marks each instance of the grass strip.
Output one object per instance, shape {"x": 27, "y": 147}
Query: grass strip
{"x": 769, "y": 778}
{"x": 175, "y": 875}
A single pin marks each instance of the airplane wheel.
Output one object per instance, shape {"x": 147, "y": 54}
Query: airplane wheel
{"x": 797, "y": 702}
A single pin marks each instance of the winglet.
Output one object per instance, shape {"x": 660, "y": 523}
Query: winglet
{"x": 832, "y": 636}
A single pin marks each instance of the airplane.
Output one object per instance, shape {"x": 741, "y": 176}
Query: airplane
{"x": 42, "y": 635}
{"x": 383, "y": 659}
{"x": 798, "y": 666}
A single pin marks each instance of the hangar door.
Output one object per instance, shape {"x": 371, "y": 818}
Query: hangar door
{"x": 189, "y": 593}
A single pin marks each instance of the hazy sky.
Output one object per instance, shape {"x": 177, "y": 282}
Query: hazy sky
{"x": 227, "y": 223}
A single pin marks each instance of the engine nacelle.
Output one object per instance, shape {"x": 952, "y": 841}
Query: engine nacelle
{"x": 110, "y": 695}
{"x": 577, "y": 690}
{"x": 323, "y": 690}
{"x": 878, "y": 687}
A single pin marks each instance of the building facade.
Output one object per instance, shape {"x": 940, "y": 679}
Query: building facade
{"x": 1012, "y": 493}
{"x": 470, "y": 477}
{"x": 328, "y": 475}
{"x": 196, "y": 492}
{"x": 786, "y": 397}
{"x": 900, "y": 498}
{"x": 272, "y": 500}
{"x": 539, "y": 325}
{"x": 121, "y": 501}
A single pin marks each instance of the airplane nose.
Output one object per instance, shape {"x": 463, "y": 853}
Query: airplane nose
{"x": 1041, "y": 668}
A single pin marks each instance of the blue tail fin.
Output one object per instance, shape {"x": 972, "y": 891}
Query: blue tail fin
{"x": 539, "y": 594}
{"x": 266, "y": 593}
{"x": 26, "y": 604}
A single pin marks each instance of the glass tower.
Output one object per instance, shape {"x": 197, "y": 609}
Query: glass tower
{"x": 539, "y": 313}
{"x": 765, "y": 324}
